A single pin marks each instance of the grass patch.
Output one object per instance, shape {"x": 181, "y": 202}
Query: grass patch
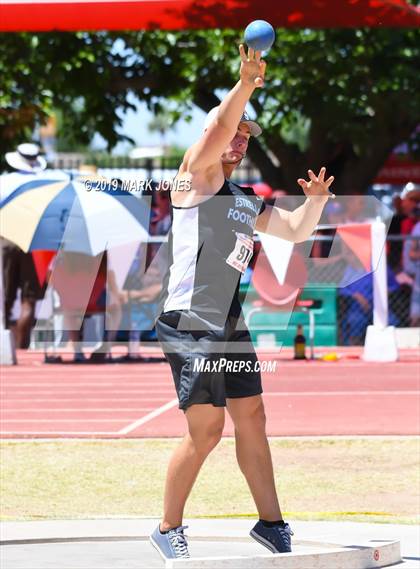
{"x": 375, "y": 480}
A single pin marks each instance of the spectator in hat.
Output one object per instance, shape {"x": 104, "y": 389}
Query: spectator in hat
{"x": 18, "y": 267}
{"x": 407, "y": 229}
{"x": 398, "y": 251}
{"x": 410, "y": 198}
{"x": 26, "y": 159}
{"x": 414, "y": 254}
{"x": 394, "y": 248}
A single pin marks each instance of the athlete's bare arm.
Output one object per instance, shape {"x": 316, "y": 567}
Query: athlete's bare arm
{"x": 202, "y": 166}
{"x": 299, "y": 224}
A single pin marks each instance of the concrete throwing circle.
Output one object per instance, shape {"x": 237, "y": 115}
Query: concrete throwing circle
{"x": 210, "y": 553}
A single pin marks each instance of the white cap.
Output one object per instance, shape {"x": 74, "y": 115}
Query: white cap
{"x": 255, "y": 128}
{"x": 26, "y": 158}
{"x": 411, "y": 191}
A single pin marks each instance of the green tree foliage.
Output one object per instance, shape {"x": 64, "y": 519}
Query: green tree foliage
{"x": 74, "y": 74}
{"x": 344, "y": 98}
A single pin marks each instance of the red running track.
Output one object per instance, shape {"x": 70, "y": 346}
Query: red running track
{"x": 348, "y": 397}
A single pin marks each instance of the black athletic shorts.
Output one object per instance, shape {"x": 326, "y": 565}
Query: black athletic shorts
{"x": 209, "y": 363}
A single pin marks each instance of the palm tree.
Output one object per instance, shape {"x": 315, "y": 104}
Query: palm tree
{"x": 162, "y": 122}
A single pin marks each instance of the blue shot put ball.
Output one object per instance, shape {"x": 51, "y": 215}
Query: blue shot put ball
{"x": 259, "y": 35}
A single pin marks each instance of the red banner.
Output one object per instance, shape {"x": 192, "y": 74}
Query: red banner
{"x": 66, "y": 15}
{"x": 399, "y": 171}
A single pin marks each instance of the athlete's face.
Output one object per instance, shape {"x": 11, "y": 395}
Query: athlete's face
{"x": 238, "y": 146}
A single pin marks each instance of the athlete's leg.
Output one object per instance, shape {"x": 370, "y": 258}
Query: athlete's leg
{"x": 205, "y": 426}
{"x": 253, "y": 453}
{"x": 25, "y": 323}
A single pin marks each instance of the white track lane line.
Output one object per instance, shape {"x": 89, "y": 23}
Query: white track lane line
{"x": 148, "y": 417}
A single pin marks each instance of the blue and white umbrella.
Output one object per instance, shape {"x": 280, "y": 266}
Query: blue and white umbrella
{"x": 54, "y": 214}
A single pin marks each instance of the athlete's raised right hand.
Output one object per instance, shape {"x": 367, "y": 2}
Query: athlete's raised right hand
{"x": 252, "y": 67}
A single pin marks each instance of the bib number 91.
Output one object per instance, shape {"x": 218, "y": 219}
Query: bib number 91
{"x": 242, "y": 252}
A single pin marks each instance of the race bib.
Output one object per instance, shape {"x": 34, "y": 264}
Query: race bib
{"x": 242, "y": 253}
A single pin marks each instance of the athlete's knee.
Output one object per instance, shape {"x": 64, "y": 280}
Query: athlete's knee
{"x": 206, "y": 438}
{"x": 206, "y": 433}
{"x": 250, "y": 415}
{"x": 257, "y": 417}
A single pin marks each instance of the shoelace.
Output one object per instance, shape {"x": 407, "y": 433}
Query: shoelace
{"x": 179, "y": 542}
{"x": 285, "y": 532}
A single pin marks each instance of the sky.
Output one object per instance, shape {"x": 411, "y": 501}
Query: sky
{"x": 135, "y": 125}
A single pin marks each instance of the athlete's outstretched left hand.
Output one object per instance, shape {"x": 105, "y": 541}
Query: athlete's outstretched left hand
{"x": 317, "y": 187}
